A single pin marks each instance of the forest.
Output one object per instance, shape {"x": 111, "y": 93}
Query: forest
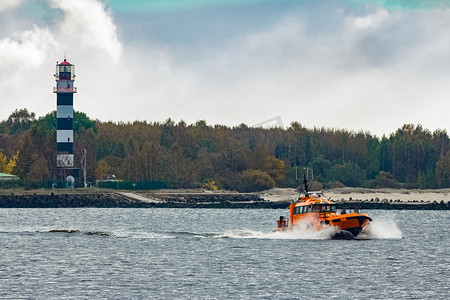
{"x": 241, "y": 158}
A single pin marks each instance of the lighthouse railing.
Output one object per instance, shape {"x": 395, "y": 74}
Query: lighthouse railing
{"x": 64, "y": 89}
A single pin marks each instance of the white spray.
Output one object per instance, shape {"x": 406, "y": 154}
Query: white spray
{"x": 381, "y": 229}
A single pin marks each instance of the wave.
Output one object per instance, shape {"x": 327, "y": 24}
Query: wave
{"x": 178, "y": 234}
{"x": 74, "y": 231}
{"x": 324, "y": 234}
{"x": 141, "y": 235}
{"x": 378, "y": 229}
{"x": 381, "y": 229}
{"x": 301, "y": 232}
{"x": 64, "y": 231}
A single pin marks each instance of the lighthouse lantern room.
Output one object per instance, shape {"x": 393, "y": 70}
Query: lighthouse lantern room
{"x": 65, "y": 76}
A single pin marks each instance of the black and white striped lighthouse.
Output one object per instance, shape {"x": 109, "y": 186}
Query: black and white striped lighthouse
{"x": 65, "y": 76}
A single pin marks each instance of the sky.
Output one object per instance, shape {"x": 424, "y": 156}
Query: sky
{"x": 360, "y": 65}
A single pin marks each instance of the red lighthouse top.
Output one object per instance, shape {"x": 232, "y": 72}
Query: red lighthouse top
{"x": 65, "y": 71}
{"x": 65, "y": 63}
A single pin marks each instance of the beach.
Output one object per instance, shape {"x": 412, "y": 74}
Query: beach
{"x": 197, "y": 198}
{"x": 366, "y": 195}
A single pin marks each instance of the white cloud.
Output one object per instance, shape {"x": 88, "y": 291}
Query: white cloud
{"x": 370, "y": 20}
{"x": 28, "y": 56}
{"x": 23, "y": 71}
{"x": 387, "y": 69}
{"x": 27, "y": 48}
{"x": 88, "y": 25}
{"x": 373, "y": 80}
{"x": 6, "y": 4}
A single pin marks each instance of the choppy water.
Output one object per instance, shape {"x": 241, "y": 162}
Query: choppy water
{"x": 217, "y": 254}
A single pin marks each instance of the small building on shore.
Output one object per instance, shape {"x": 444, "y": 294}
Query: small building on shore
{"x": 4, "y": 176}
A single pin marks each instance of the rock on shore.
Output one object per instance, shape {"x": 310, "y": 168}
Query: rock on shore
{"x": 278, "y": 198}
{"x": 65, "y": 200}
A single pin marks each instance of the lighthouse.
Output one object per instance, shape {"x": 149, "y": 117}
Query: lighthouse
{"x": 65, "y": 76}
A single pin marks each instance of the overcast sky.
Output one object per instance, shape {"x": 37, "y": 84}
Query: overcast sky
{"x": 350, "y": 64}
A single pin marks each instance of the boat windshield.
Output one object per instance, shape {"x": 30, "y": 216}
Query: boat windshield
{"x": 324, "y": 208}
{"x": 302, "y": 209}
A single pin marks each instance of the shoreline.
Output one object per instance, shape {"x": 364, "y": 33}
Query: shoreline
{"x": 272, "y": 199}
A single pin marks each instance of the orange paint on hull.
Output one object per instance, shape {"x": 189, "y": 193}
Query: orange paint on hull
{"x": 321, "y": 212}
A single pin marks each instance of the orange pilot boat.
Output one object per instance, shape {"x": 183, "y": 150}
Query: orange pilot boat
{"x": 318, "y": 212}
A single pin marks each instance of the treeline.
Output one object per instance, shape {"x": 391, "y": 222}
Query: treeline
{"x": 239, "y": 158}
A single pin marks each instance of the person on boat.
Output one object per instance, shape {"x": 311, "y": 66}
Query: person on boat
{"x": 282, "y": 222}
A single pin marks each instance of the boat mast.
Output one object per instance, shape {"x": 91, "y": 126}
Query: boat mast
{"x": 305, "y": 182}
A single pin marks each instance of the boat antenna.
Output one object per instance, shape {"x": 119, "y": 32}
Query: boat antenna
{"x": 299, "y": 186}
{"x": 305, "y": 182}
{"x": 296, "y": 177}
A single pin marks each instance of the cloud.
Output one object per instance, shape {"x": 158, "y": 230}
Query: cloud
{"x": 374, "y": 77}
{"x": 366, "y": 68}
{"x": 7, "y": 4}
{"x": 28, "y": 55}
{"x": 28, "y": 48}
{"x": 22, "y": 57}
{"x": 371, "y": 20}
{"x": 88, "y": 25}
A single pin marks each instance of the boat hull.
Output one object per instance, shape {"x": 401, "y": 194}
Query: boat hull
{"x": 346, "y": 224}
{"x": 316, "y": 212}
{"x": 353, "y": 223}
{"x": 343, "y": 235}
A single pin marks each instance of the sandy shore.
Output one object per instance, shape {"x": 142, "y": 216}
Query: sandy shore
{"x": 275, "y": 194}
{"x": 274, "y": 198}
{"x": 360, "y": 194}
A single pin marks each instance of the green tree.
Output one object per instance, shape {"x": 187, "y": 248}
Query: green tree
{"x": 28, "y": 152}
{"x": 320, "y": 168}
{"x": 101, "y": 169}
{"x": 20, "y": 120}
{"x": 384, "y": 180}
{"x": 255, "y": 181}
{"x": 443, "y": 171}
{"x": 39, "y": 174}
{"x": 276, "y": 169}
{"x": 349, "y": 174}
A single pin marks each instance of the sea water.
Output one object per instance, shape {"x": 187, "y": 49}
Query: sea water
{"x": 90, "y": 253}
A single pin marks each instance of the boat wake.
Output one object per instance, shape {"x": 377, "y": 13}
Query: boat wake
{"x": 302, "y": 231}
{"x": 381, "y": 229}
{"x": 324, "y": 234}
{"x": 116, "y": 234}
{"x": 378, "y": 229}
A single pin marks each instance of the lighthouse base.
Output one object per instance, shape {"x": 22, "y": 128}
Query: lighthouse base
{"x": 66, "y": 177}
